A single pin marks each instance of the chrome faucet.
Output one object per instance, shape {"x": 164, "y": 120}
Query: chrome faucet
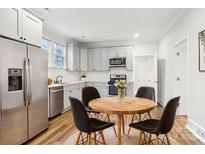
{"x": 57, "y": 80}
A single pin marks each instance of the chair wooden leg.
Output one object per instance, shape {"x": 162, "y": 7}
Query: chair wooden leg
{"x": 78, "y": 138}
{"x": 88, "y": 139}
{"x": 140, "y": 138}
{"x": 123, "y": 125}
{"x": 95, "y": 137}
{"x": 150, "y": 138}
{"x": 157, "y": 139}
{"x": 149, "y": 115}
{"x": 108, "y": 117}
{"x": 131, "y": 122}
{"x": 102, "y": 137}
{"x": 140, "y": 117}
{"x": 167, "y": 137}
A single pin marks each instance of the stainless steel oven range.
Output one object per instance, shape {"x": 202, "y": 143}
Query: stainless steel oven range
{"x": 113, "y": 77}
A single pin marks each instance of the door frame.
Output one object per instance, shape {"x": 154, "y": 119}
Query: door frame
{"x": 154, "y": 55}
{"x": 186, "y": 38}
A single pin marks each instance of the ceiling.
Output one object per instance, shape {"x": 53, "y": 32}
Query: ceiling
{"x": 99, "y": 25}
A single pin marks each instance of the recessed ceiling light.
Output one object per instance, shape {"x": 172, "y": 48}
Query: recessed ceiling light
{"x": 136, "y": 35}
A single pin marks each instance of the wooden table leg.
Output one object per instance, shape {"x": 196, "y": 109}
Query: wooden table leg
{"x": 123, "y": 125}
{"x": 119, "y": 128}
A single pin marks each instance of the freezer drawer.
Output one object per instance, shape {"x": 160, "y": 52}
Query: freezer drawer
{"x": 55, "y": 101}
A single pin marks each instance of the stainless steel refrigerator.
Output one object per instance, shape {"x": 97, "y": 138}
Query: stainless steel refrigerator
{"x": 23, "y": 91}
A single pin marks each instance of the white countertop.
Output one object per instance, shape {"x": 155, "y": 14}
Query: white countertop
{"x": 65, "y": 83}
{"x": 74, "y": 82}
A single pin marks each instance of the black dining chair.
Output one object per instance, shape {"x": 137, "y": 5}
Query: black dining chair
{"x": 158, "y": 127}
{"x": 90, "y": 93}
{"x": 143, "y": 92}
{"x": 87, "y": 125}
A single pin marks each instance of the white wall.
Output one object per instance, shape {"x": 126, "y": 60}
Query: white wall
{"x": 139, "y": 48}
{"x": 189, "y": 24}
{"x": 53, "y": 72}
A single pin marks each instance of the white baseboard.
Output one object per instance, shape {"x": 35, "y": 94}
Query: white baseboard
{"x": 196, "y": 130}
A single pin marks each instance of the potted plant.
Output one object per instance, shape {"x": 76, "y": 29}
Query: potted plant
{"x": 121, "y": 85}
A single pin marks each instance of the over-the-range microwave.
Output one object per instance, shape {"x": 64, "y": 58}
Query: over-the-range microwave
{"x": 117, "y": 62}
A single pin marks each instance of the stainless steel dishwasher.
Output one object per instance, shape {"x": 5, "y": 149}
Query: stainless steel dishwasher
{"x": 55, "y": 101}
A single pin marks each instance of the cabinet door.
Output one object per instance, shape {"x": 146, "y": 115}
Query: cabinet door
{"x": 104, "y": 91}
{"x": 129, "y": 89}
{"x": 32, "y": 29}
{"x": 66, "y": 99}
{"x": 10, "y": 25}
{"x": 105, "y": 59}
{"x": 129, "y": 59}
{"x": 76, "y": 53}
{"x": 97, "y": 59}
{"x": 83, "y": 59}
{"x": 112, "y": 52}
{"x": 91, "y": 59}
{"x": 121, "y": 51}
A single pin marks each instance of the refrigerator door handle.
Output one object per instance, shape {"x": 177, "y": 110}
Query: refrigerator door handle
{"x": 26, "y": 81}
{"x": 29, "y": 81}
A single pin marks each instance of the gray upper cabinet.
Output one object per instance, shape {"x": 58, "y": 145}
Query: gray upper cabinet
{"x": 91, "y": 60}
{"x": 129, "y": 58}
{"x": 97, "y": 59}
{"x": 73, "y": 58}
{"x": 10, "y": 25}
{"x": 105, "y": 59}
{"x": 21, "y": 25}
{"x": 32, "y": 29}
{"x": 121, "y": 51}
{"x": 83, "y": 59}
{"x": 112, "y": 52}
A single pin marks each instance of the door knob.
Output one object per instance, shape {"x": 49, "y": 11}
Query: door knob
{"x": 178, "y": 78}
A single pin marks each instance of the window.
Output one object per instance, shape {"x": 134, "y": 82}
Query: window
{"x": 59, "y": 55}
{"x": 47, "y": 47}
{"x": 56, "y": 53}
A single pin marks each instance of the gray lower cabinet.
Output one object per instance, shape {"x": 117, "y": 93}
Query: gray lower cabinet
{"x": 73, "y": 90}
{"x": 130, "y": 89}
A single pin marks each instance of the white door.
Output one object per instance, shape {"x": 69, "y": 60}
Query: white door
{"x": 145, "y": 72}
{"x": 105, "y": 59}
{"x": 180, "y": 76}
{"x": 32, "y": 29}
{"x": 11, "y": 23}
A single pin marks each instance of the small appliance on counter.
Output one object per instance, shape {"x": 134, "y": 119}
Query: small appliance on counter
{"x": 113, "y": 77}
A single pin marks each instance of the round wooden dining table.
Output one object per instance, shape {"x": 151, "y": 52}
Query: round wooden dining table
{"x": 113, "y": 105}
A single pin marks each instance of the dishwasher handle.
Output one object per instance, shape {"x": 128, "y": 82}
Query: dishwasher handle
{"x": 58, "y": 90}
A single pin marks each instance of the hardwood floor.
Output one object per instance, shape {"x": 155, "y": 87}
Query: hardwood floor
{"x": 62, "y": 127}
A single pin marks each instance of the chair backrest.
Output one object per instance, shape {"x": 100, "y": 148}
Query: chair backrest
{"x": 146, "y": 92}
{"x": 167, "y": 120}
{"x": 80, "y": 116}
{"x": 88, "y": 94}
